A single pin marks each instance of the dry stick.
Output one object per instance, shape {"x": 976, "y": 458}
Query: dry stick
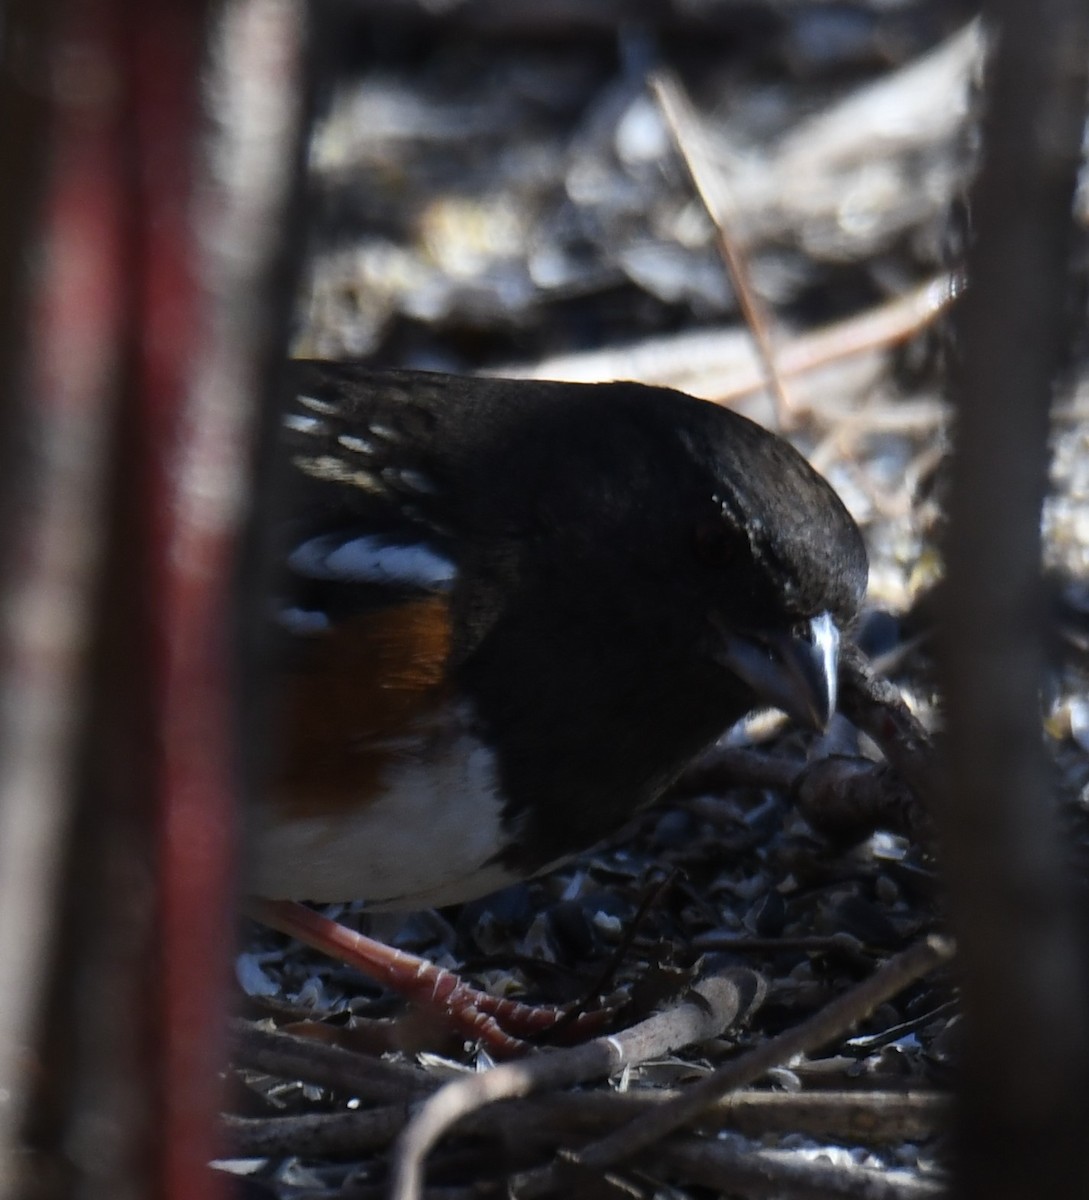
{"x": 840, "y": 795}
{"x": 726, "y": 355}
{"x": 878, "y": 328}
{"x": 785, "y": 1174}
{"x": 848, "y": 797}
{"x": 314, "y": 1135}
{"x": 869, "y": 1118}
{"x": 288, "y": 1057}
{"x": 831, "y": 1022}
{"x": 864, "y": 1117}
{"x": 684, "y": 125}
{"x": 877, "y": 708}
{"x": 717, "y": 1002}
{"x": 909, "y": 416}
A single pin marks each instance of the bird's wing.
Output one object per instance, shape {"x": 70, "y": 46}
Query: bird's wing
{"x": 372, "y": 519}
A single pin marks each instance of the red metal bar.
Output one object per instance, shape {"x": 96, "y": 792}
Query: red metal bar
{"x": 63, "y": 415}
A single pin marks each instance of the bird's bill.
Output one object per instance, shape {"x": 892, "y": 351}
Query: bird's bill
{"x": 794, "y": 671}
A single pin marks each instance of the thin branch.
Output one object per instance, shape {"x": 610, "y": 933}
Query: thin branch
{"x": 841, "y": 1015}
{"x": 288, "y": 1057}
{"x": 867, "y": 1118}
{"x": 877, "y": 708}
{"x": 716, "y": 1003}
{"x": 684, "y": 125}
{"x": 737, "y": 1166}
{"x": 724, "y": 360}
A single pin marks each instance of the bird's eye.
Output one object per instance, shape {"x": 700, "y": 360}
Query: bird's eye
{"x": 716, "y": 543}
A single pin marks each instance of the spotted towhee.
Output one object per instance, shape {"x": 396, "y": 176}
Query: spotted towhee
{"x": 514, "y": 613}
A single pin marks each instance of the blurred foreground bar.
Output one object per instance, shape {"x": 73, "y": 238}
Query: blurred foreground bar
{"x": 150, "y": 152}
{"x": 1014, "y": 905}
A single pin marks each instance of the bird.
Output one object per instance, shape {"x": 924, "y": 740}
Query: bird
{"x": 512, "y": 612}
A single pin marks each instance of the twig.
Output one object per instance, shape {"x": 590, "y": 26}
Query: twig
{"x": 715, "y": 1004}
{"x": 736, "y": 1166}
{"x": 289, "y": 1057}
{"x": 314, "y": 1135}
{"x": 727, "y": 357}
{"x": 847, "y": 797}
{"x": 842, "y": 796}
{"x": 832, "y": 1021}
{"x": 685, "y": 127}
{"x": 868, "y": 1118}
{"x": 858, "y": 1116}
{"x": 878, "y": 709}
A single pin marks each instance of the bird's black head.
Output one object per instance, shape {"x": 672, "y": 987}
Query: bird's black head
{"x": 772, "y": 519}
{"x": 786, "y": 557}
{"x": 729, "y": 541}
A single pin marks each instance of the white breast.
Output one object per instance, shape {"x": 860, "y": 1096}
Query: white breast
{"x": 427, "y": 840}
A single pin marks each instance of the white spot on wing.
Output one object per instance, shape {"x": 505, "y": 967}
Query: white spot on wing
{"x": 356, "y": 444}
{"x": 325, "y": 407}
{"x": 372, "y": 560}
{"x": 300, "y": 423}
{"x": 335, "y": 470}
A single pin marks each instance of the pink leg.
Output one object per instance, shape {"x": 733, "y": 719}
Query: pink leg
{"x": 472, "y": 1013}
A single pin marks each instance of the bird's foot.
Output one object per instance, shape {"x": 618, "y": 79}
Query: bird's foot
{"x": 501, "y": 1025}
